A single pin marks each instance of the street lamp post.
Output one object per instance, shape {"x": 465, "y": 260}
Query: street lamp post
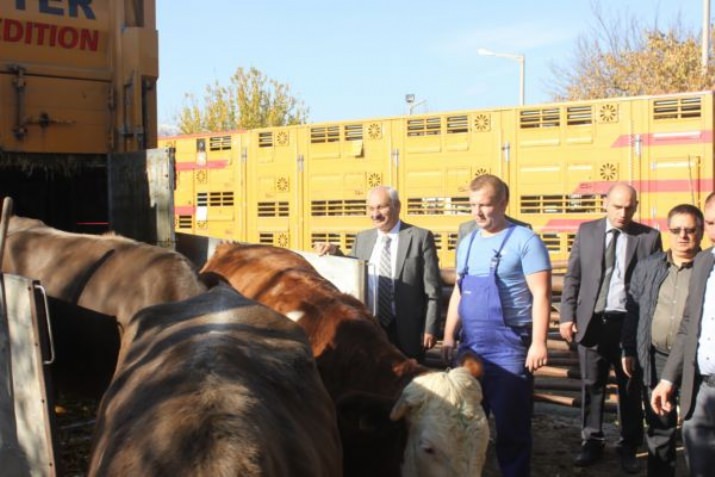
{"x": 411, "y": 104}
{"x": 705, "y": 47}
{"x": 519, "y": 58}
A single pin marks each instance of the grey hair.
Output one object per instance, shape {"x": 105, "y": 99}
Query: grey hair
{"x": 391, "y": 193}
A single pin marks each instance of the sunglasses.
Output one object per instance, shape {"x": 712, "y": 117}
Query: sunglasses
{"x": 680, "y": 230}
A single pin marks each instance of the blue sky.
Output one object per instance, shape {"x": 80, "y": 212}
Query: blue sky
{"x": 357, "y": 60}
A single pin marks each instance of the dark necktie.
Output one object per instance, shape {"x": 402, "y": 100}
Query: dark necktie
{"x": 609, "y": 264}
{"x": 384, "y": 287}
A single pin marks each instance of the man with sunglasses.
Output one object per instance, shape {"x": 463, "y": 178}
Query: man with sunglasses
{"x": 691, "y": 364}
{"x": 655, "y": 303}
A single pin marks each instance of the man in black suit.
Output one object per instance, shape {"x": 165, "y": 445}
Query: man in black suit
{"x": 691, "y": 363}
{"x": 593, "y": 308}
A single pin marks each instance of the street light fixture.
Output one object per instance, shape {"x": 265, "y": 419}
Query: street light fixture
{"x": 411, "y": 105}
{"x": 510, "y": 56}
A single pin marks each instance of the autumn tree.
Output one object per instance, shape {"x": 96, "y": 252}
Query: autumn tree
{"x": 615, "y": 61}
{"x": 251, "y": 100}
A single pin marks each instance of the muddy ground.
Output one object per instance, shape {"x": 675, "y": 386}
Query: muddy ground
{"x": 556, "y": 434}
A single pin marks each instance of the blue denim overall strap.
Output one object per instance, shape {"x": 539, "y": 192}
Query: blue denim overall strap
{"x": 480, "y": 293}
{"x": 507, "y": 385}
{"x": 484, "y": 330}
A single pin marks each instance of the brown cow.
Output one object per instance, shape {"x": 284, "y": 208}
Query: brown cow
{"x": 111, "y": 275}
{"x": 363, "y": 372}
{"x": 216, "y": 385}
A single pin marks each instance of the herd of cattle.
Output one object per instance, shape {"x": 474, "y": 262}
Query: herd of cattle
{"x": 256, "y": 365}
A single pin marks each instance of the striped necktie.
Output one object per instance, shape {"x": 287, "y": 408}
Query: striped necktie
{"x": 384, "y": 287}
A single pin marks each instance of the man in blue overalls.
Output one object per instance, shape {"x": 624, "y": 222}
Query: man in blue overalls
{"x": 502, "y": 301}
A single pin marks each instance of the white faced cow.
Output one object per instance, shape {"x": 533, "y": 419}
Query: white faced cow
{"x": 383, "y": 399}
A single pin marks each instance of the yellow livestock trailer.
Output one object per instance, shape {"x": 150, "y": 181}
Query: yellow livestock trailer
{"x": 295, "y": 185}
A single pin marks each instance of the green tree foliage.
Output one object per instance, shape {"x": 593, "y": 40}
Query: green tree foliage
{"x": 251, "y": 100}
{"x": 614, "y": 61}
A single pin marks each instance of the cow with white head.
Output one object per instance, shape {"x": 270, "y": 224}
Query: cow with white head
{"x": 437, "y": 407}
{"x": 368, "y": 378}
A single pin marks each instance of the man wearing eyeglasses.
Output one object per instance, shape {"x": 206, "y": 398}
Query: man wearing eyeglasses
{"x": 691, "y": 364}
{"x": 655, "y": 304}
{"x": 407, "y": 283}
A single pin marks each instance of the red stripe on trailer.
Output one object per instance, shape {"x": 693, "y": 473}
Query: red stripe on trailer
{"x": 190, "y": 166}
{"x": 648, "y": 186}
{"x": 562, "y": 225}
{"x": 184, "y": 209}
{"x": 203, "y": 135}
{"x": 665, "y": 138}
{"x": 571, "y": 225}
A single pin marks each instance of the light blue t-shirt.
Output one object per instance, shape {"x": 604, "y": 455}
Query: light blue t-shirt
{"x": 523, "y": 254}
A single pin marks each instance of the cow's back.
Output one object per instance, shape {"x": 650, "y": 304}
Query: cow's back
{"x": 216, "y": 385}
{"x": 137, "y": 275}
{"x": 108, "y": 274}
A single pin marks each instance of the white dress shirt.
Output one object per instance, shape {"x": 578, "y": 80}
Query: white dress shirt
{"x": 616, "y": 300}
{"x": 706, "y": 340}
{"x": 374, "y": 263}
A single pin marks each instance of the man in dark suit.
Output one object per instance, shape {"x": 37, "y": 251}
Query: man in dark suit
{"x": 593, "y": 308}
{"x": 691, "y": 363}
{"x": 408, "y": 290}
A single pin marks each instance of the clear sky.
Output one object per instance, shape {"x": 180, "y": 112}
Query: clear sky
{"x": 357, "y": 60}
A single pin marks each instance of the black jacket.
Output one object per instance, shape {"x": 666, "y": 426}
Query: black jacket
{"x": 642, "y": 298}
{"x": 584, "y": 274}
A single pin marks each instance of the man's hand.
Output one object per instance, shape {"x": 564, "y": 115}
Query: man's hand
{"x": 629, "y": 365}
{"x": 567, "y": 330}
{"x": 447, "y": 350}
{"x": 536, "y": 357}
{"x": 325, "y": 248}
{"x": 428, "y": 341}
{"x": 662, "y": 398}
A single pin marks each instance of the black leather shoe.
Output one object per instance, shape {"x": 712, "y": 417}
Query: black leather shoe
{"x": 590, "y": 453}
{"x": 629, "y": 463}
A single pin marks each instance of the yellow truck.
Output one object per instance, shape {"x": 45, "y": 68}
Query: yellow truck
{"x": 77, "y": 107}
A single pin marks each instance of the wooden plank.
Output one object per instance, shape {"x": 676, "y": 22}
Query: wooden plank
{"x": 609, "y": 405}
{"x": 554, "y": 372}
{"x": 557, "y": 344}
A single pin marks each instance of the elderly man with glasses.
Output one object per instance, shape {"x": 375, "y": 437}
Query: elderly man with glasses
{"x": 655, "y": 302}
